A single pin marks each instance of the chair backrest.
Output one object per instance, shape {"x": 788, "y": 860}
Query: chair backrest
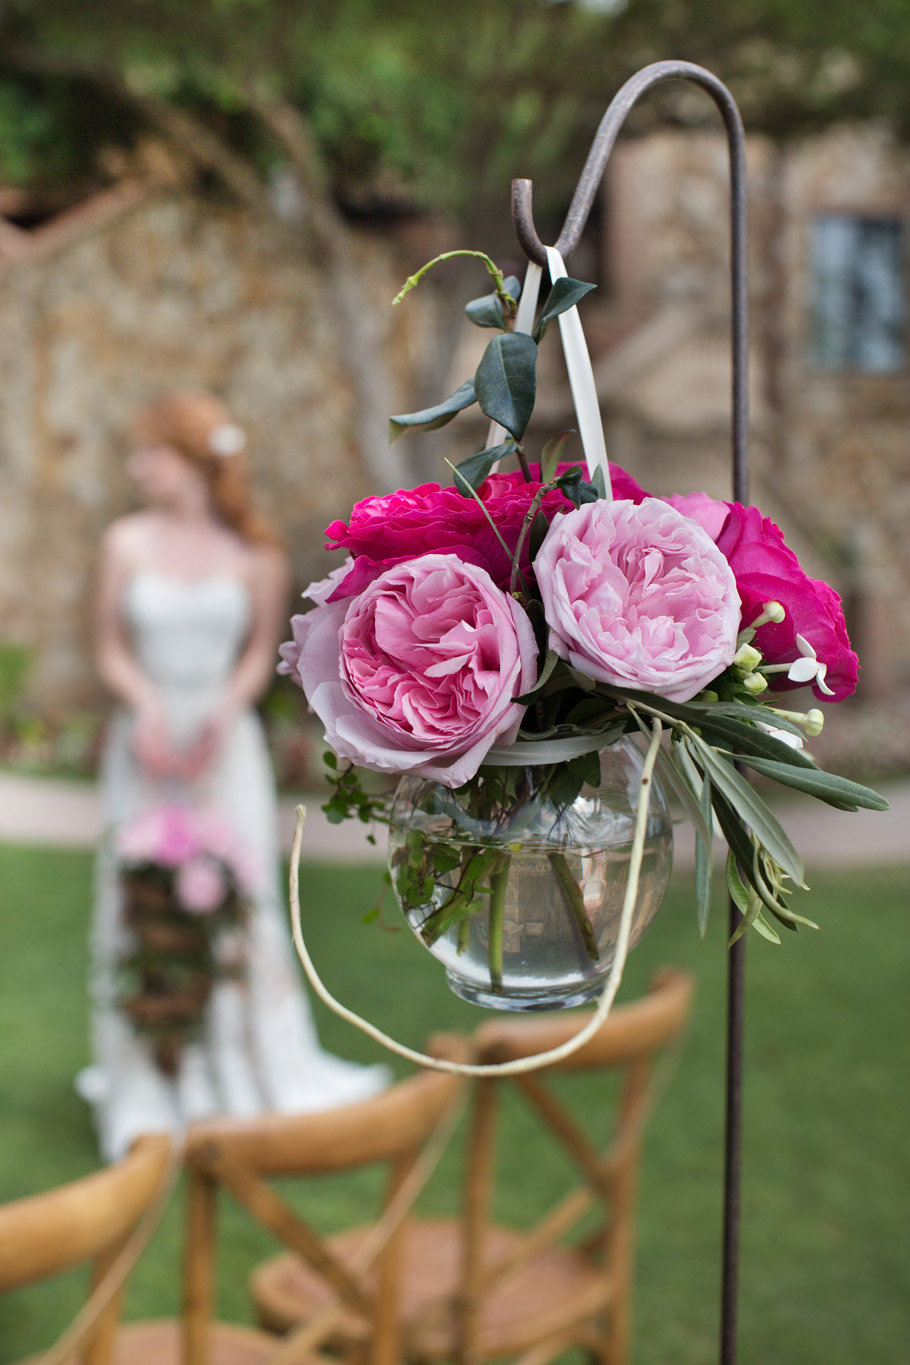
{"x": 628, "y": 1043}
{"x": 88, "y": 1221}
{"x": 390, "y": 1129}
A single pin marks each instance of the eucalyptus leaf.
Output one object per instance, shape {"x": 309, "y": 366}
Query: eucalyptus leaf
{"x": 487, "y": 311}
{"x": 429, "y": 419}
{"x": 565, "y": 294}
{"x": 470, "y": 474}
{"x": 506, "y": 381}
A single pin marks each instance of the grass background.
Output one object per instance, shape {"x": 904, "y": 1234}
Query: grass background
{"x": 825, "y": 1271}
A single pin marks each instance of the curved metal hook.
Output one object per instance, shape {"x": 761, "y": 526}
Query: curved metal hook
{"x": 576, "y": 218}
{"x": 602, "y": 146}
{"x": 580, "y": 207}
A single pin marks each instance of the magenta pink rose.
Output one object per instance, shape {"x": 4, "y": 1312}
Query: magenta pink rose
{"x": 638, "y": 596}
{"x": 430, "y": 519}
{"x": 767, "y": 570}
{"x": 419, "y": 673}
{"x": 200, "y": 886}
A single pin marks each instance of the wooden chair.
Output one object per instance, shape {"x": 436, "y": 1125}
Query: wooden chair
{"x": 92, "y": 1221}
{"x": 474, "y": 1290}
{"x": 352, "y": 1300}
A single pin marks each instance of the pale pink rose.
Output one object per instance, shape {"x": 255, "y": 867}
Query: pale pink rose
{"x": 200, "y": 886}
{"x": 638, "y": 596}
{"x": 419, "y": 673}
{"x": 165, "y": 834}
{"x": 221, "y": 841}
{"x": 319, "y": 592}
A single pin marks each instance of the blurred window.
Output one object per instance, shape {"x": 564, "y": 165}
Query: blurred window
{"x": 858, "y": 293}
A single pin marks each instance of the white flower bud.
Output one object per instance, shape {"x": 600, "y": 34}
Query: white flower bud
{"x": 747, "y": 658}
{"x": 814, "y": 722}
{"x": 755, "y": 683}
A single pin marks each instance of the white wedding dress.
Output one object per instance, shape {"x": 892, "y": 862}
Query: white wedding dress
{"x": 259, "y": 1050}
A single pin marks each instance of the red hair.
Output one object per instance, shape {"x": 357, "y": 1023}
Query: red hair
{"x": 189, "y": 422}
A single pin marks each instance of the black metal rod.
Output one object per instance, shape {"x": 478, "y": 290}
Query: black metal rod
{"x": 577, "y": 216}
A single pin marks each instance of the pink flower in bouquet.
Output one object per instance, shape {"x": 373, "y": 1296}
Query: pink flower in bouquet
{"x": 419, "y": 672}
{"x": 165, "y": 834}
{"x": 201, "y": 886}
{"x": 812, "y": 637}
{"x": 638, "y": 596}
{"x": 430, "y": 519}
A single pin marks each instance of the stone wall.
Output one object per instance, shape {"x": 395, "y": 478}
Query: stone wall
{"x": 830, "y": 451}
{"x": 175, "y": 291}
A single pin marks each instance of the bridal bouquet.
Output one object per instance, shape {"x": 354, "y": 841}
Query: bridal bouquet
{"x": 184, "y": 882}
{"x": 491, "y": 639}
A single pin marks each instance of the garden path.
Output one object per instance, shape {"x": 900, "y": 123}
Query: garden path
{"x": 67, "y": 814}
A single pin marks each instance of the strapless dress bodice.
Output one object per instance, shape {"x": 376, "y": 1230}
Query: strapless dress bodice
{"x": 186, "y": 632}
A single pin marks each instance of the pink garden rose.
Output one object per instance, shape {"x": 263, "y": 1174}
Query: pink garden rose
{"x": 767, "y": 570}
{"x": 165, "y": 834}
{"x": 419, "y": 672}
{"x": 387, "y": 530}
{"x": 200, "y": 886}
{"x": 638, "y": 596}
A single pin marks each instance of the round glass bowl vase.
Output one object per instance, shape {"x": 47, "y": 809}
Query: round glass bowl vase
{"x": 520, "y": 898}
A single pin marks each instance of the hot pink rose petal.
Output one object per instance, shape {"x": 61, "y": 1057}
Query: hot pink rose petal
{"x": 384, "y": 531}
{"x": 419, "y": 673}
{"x": 767, "y": 570}
{"x": 638, "y": 596}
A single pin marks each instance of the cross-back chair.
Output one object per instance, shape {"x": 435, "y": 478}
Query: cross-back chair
{"x": 352, "y": 1300}
{"x": 476, "y": 1290}
{"x": 91, "y": 1221}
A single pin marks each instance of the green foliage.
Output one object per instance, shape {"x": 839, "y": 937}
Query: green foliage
{"x": 438, "y": 114}
{"x": 825, "y": 1203}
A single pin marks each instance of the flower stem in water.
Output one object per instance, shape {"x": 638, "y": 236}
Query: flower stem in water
{"x": 498, "y": 883}
{"x": 572, "y": 893}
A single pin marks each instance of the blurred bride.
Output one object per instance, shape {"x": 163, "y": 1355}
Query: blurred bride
{"x": 191, "y": 601}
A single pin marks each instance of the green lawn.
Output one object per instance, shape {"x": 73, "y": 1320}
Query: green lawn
{"x": 825, "y": 1205}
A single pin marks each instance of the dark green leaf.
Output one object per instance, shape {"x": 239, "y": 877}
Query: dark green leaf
{"x": 704, "y": 862}
{"x": 506, "y": 381}
{"x": 537, "y": 535}
{"x": 599, "y": 482}
{"x": 549, "y": 663}
{"x": 487, "y": 311}
{"x": 430, "y": 418}
{"x": 471, "y": 473}
{"x": 751, "y": 808}
{"x": 747, "y": 740}
{"x": 671, "y": 773}
{"x": 828, "y": 787}
{"x": 563, "y": 296}
{"x": 551, "y": 455}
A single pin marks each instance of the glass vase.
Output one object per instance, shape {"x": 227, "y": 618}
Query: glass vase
{"x": 520, "y": 898}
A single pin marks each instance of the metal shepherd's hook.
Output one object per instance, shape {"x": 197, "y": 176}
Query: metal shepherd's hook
{"x": 577, "y": 216}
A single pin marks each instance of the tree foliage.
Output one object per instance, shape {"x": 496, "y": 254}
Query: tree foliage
{"x": 433, "y": 106}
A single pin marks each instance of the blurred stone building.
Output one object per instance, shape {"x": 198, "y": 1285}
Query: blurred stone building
{"x": 104, "y": 307}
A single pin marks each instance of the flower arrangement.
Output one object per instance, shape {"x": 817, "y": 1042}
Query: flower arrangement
{"x": 185, "y": 883}
{"x": 493, "y": 637}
